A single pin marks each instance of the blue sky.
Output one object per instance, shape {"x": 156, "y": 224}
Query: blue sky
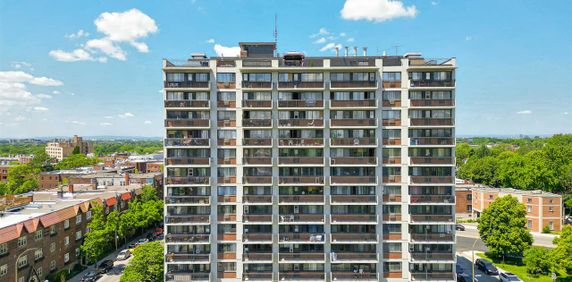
{"x": 514, "y": 57}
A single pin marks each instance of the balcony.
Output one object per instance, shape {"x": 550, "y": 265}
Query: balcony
{"x": 432, "y": 256}
{"x": 432, "y": 199}
{"x": 257, "y": 276}
{"x": 226, "y": 217}
{"x": 226, "y": 142}
{"x": 257, "y": 122}
{"x": 353, "y": 180}
{"x": 204, "y": 258}
{"x": 257, "y": 256}
{"x": 341, "y": 218}
{"x": 392, "y": 84}
{"x": 354, "y": 160}
{"x": 223, "y": 255}
{"x": 354, "y": 256}
{"x": 295, "y": 142}
{"x": 432, "y": 83}
{"x": 257, "y": 104}
{"x": 225, "y": 63}
{"x": 256, "y": 63}
{"x": 226, "y": 104}
{"x": 257, "y": 199}
{"x": 305, "y": 256}
{"x": 301, "y": 237}
{"x": 391, "y": 198}
{"x": 353, "y": 104}
{"x": 257, "y": 180}
{"x": 391, "y": 160}
{"x": 392, "y": 179}
{"x": 187, "y": 84}
{"x": 392, "y": 255}
{"x": 432, "y": 160}
{"x": 226, "y": 274}
{"x": 301, "y": 160}
{"x": 432, "y": 237}
{"x": 257, "y": 142}
{"x": 297, "y": 218}
{"x": 300, "y": 84}
{"x": 187, "y": 104}
{"x": 392, "y": 236}
{"x": 364, "y": 141}
{"x": 432, "y": 140}
{"x": 187, "y": 161}
{"x": 392, "y": 103}
{"x": 354, "y": 199}
{"x": 432, "y": 179}
{"x": 432, "y": 121}
{"x": 301, "y": 180}
{"x": 197, "y": 200}
{"x": 226, "y": 123}
{"x": 353, "y": 122}
{"x": 187, "y": 142}
{"x": 432, "y": 103}
{"x": 301, "y": 275}
{"x": 300, "y": 123}
{"x": 183, "y": 276}
{"x": 306, "y": 199}
{"x": 391, "y": 122}
{"x": 227, "y": 161}
{"x": 257, "y": 218}
{"x": 353, "y": 237}
{"x": 187, "y": 123}
{"x": 391, "y": 217}
{"x": 300, "y": 104}
{"x": 432, "y": 218}
{"x": 226, "y": 199}
{"x": 438, "y": 276}
{"x": 257, "y": 237}
{"x": 257, "y": 160}
{"x": 344, "y": 276}
{"x": 194, "y": 180}
{"x": 392, "y": 274}
{"x": 187, "y": 218}
{"x": 391, "y": 141}
{"x": 353, "y": 84}
{"x": 306, "y": 62}
{"x": 226, "y": 237}
{"x": 184, "y": 238}
{"x": 226, "y": 85}
{"x": 257, "y": 84}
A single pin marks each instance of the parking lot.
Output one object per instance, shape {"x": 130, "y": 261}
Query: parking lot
{"x": 465, "y": 263}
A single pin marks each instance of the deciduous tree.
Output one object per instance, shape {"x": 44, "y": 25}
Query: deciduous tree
{"x": 146, "y": 265}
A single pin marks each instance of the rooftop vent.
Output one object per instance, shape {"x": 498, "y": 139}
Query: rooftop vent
{"x": 198, "y": 56}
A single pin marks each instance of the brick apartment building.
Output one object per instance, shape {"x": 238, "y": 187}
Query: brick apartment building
{"x": 63, "y": 148}
{"x": 42, "y": 233}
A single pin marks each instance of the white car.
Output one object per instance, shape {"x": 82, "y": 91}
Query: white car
{"x": 508, "y": 277}
{"x": 123, "y": 255}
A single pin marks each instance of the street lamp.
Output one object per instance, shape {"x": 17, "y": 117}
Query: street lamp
{"x": 16, "y": 263}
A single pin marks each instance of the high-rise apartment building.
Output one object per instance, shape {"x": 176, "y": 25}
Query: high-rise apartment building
{"x": 60, "y": 149}
{"x": 289, "y": 168}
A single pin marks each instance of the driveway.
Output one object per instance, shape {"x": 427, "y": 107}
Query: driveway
{"x": 464, "y": 260}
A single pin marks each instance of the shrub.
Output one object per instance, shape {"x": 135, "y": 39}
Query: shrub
{"x": 537, "y": 260}
{"x": 546, "y": 229}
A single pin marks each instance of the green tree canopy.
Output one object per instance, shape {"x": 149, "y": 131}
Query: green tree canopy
{"x": 562, "y": 254}
{"x": 146, "y": 265}
{"x": 502, "y": 227}
{"x": 77, "y": 160}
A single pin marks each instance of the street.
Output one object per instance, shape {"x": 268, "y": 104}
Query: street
{"x": 541, "y": 240}
{"x": 464, "y": 261}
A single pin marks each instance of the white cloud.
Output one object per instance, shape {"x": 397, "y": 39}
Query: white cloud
{"x": 147, "y": 122}
{"x": 117, "y": 28}
{"x": 126, "y": 115}
{"x": 24, "y": 77}
{"x": 223, "y": 51}
{"x": 21, "y": 65}
{"x": 56, "y": 92}
{"x": 211, "y": 40}
{"x": 524, "y": 112}
{"x": 20, "y": 119}
{"x": 324, "y": 31}
{"x": 44, "y": 96}
{"x": 14, "y": 92}
{"x": 376, "y": 10}
{"x": 77, "y": 122}
{"x": 468, "y": 38}
{"x": 434, "y": 3}
{"x": 41, "y": 109}
{"x": 565, "y": 113}
{"x": 79, "y": 34}
{"x": 320, "y": 40}
{"x": 343, "y": 34}
{"x": 108, "y": 117}
{"x": 350, "y": 40}
{"x": 330, "y": 46}
{"x": 105, "y": 124}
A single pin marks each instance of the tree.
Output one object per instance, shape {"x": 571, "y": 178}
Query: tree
{"x": 74, "y": 161}
{"x": 146, "y": 265}
{"x": 537, "y": 260}
{"x": 96, "y": 241}
{"x": 502, "y": 227}
{"x": 75, "y": 150}
{"x": 562, "y": 254}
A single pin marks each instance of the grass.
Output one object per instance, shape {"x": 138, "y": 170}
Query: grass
{"x": 519, "y": 269}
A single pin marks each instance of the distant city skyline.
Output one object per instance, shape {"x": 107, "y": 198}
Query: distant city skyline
{"x": 91, "y": 68}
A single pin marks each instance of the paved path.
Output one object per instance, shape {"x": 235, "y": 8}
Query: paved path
{"x": 542, "y": 240}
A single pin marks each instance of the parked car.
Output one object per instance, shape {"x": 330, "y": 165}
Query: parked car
{"x": 461, "y": 275}
{"x": 142, "y": 241}
{"x": 486, "y": 267}
{"x": 105, "y": 266}
{"x": 91, "y": 276}
{"x": 123, "y": 255}
{"x": 158, "y": 231}
{"x": 460, "y": 227}
{"x": 508, "y": 277}
{"x": 132, "y": 245}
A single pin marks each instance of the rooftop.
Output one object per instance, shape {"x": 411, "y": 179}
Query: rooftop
{"x": 512, "y": 191}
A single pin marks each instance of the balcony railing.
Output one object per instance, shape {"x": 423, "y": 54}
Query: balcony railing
{"x": 226, "y": 199}
{"x": 432, "y": 237}
{"x": 353, "y": 256}
{"x": 226, "y": 104}
{"x": 352, "y": 237}
{"x": 257, "y": 142}
{"x": 392, "y": 236}
{"x": 257, "y": 236}
{"x": 257, "y": 276}
{"x": 225, "y": 63}
{"x": 187, "y": 200}
{"x": 432, "y": 256}
{"x": 391, "y": 141}
{"x": 354, "y": 179}
{"x": 257, "y": 179}
{"x": 300, "y": 104}
{"x": 187, "y": 218}
{"x": 301, "y": 198}
{"x": 432, "y": 179}
{"x": 257, "y": 104}
{"x": 432, "y": 160}
{"x": 187, "y": 104}
{"x": 254, "y": 199}
{"x": 226, "y": 142}
{"x": 257, "y": 84}
{"x": 424, "y": 276}
{"x": 391, "y": 122}
{"x": 187, "y": 123}
{"x": 432, "y": 83}
{"x": 389, "y": 198}
{"x": 353, "y": 84}
{"x": 301, "y": 179}
{"x": 301, "y": 237}
{"x": 391, "y": 160}
{"x": 257, "y": 122}
{"x": 301, "y": 160}
{"x": 300, "y": 84}
{"x": 304, "y": 256}
{"x": 352, "y": 103}
{"x": 300, "y": 122}
{"x": 226, "y": 123}
{"x": 186, "y": 84}
{"x": 432, "y": 103}
{"x": 354, "y": 218}
{"x": 184, "y": 276}
{"x": 226, "y": 85}
{"x": 170, "y": 257}
{"x": 257, "y": 256}
{"x": 392, "y": 179}
{"x": 257, "y": 160}
{"x": 180, "y": 238}
{"x": 226, "y": 236}
{"x": 435, "y": 199}
{"x": 187, "y": 180}
{"x": 301, "y": 275}
{"x": 187, "y": 142}
{"x": 353, "y": 122}
{"x": 226, "y": 161}
{"x": 354, "y": 160}
{"x": 187, "y": 161}
{"x": 285, "y": 218}
{"x": 364, "y": 141}
{"x": 391, "y": 217}
{"x": 432, "y": 121}
{"x": 392, "y": 84}
{"x": 392, "y": 255}
{"x": 257, "y": 63}
{"x": 432, "y": 140}
{"x": 301, "y": 142}
{"x": 338, "y": 199}
{"x": 354, "y": 276}
{"x": 432, "y": 218}
{"x": 257, "y": 218}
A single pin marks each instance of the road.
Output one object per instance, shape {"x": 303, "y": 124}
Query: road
{"x": 541, "y": 240}
{"x": 465, "y": 263}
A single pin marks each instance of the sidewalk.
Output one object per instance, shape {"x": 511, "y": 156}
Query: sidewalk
{"x": 540, "y": 239}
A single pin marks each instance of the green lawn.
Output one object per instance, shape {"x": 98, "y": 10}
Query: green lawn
{"x": 520, "y": 271}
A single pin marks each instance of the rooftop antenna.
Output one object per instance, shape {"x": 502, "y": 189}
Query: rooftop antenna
{"x": 275, "y": 28}
{"x": 396, "y": 49}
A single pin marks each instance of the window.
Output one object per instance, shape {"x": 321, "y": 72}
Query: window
{"x": 52, "y": 247}
{"x": 529, "y": 200}
{"x": 52, "y": 265}
{"x": 66, "y": 257}
{"x": 78, "y": 235}
{"x": 175, "y": 77}
{"x": 529, "y": 224}
{"x": 38, "y": 254}
{"x": 391, "y": 76}
{"x": 551, "y": 225}
{"x": 77, "y": 252}
{"x": 78, "y": 219}
{"x": 39, "y": 271}
{"x": 3, "y": 270}
{"x": 529, "y": 209}
{"x": 3, "y": 248}
{"x": 67, "y": 240}
{"x": 469, "y": 208}
{"x": 39, "y": 234}
{"x": 469, "y": 197}
{"x": 88, "y": 215}
{"x": 53, "y": 230}
{"x": 22, "y": 241}
{"x": 22, "y": 261}
{"x": 551, "y": 209}
{"x": 66, "y": 224}
{"x": 491, "y": 197}
{"x": 225, "y": 77}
